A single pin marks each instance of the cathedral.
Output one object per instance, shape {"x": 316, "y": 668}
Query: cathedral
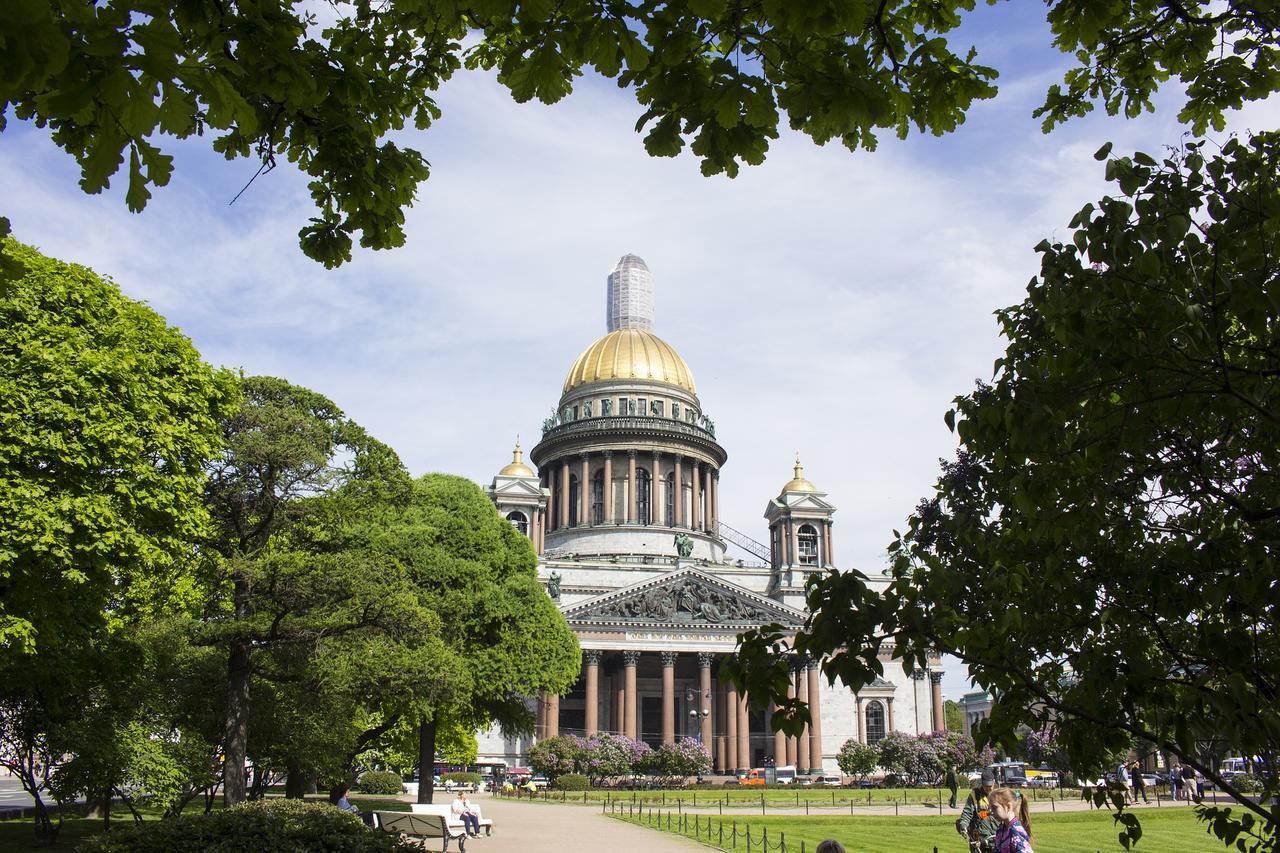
{"x": 622, "y": 505}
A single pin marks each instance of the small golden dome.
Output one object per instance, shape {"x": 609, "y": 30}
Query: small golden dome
{"x": 798, "y": 482}
{"x": 630, "y": 354}
{"x": 516, "y": 468}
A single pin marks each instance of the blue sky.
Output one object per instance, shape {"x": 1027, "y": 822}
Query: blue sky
{"x": 828, "y": 302}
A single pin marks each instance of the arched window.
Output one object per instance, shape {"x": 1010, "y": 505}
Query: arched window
{"x": 875, "y": 722}
{"x": 808, "y": 545}
{"x": 597, "y": 498}
{"x": 575, "y": 489}
{"x": 643, "y": 495}
{"x": 519, "y": 521}
{"x": 668, "y": 498}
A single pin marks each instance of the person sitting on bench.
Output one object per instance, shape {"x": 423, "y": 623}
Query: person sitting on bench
{"x": 467, "y": 814}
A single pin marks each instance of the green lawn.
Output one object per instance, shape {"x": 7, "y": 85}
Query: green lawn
{"x": 1073, "y": 832}
{"x": 734, "y": 797}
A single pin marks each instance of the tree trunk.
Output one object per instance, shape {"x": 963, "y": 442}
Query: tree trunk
{"x": 426, "y": 760}
{"x": 295, "y": 784}
{"x": 236, "y": 733}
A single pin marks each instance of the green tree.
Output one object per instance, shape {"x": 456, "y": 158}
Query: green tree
{"x": 556, "y": 756}
{"x": 107, "y": 417}
{"x": 113, "y": 78}
{"x": 1100, "y": 553}
{"x": 479, "y": 576}
{"x": 954, "y": 716}
{"x": 292, "y": 470}
{"x": 857, "y": 759}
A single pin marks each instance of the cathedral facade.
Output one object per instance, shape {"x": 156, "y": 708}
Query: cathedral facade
{"x": 623, "y": 508}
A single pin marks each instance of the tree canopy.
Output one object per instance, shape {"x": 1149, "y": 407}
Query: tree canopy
{"x": 107, "y": 416}
{"x": 1101, "y": 551}
{"x": 271, "y": 82}
{"x": 479, "y": 576}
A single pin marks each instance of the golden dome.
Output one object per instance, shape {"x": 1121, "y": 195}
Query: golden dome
{"x": 516, "y": 468}
{"x": 798, "y": 482}
{"x": 630, "y": 354}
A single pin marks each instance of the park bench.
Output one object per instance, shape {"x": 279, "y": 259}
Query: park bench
{"x": 445, "y": 810}
{"x": 422, "y": 826}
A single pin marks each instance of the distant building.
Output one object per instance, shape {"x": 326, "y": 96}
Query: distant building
{"x": 624, "y": 512}
{"x": 974, "y": 707}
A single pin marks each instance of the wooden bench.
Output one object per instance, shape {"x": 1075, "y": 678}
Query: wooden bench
{"x": 445, "y": 810}
{"x": 422, "y": 826}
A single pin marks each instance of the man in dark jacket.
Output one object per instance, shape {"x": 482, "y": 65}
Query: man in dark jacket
{"x": 952, "y": 784}
{"x": 978, "y": 822}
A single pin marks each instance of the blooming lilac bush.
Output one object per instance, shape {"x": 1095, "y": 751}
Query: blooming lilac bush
{"x": 609, "y": 756}
{"x": 556, "y": 756}
{"x": 673, "y": 763}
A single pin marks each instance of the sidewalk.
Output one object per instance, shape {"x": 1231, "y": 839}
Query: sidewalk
{"x": 523, "y": 827}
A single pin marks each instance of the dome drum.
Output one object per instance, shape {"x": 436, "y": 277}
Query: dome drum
{"x": 621, "y": 434}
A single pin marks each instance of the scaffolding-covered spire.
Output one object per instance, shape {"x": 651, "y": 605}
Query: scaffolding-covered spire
{"x": 630, "y": 298}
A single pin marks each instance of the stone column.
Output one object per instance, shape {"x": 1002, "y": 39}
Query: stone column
{"x": 744, "y": 733}
{"x": 564, "y": 494}
{"x": 784, "y": 532}
{"x": 802, "y": 745}
{"x": 553, "y": 715}
{"x": 656, "y": 515}
{"x": 731, "y": 729}
{"x": 889, "y": 702}
{"x": 591, "y": 666}
{"x": 668, "y": 697}
{"x": 826, "y": 537}
{"x": 696, "y": 474}
{"x": 779, "y": 740}
{"x": 795, "y": 544}
{"x": 677, "y": 492}
{"x": 629, "y": 661}
{"x": 815, "y": 712}
{"x": 705, "y": 701}
{"x": 608, "y": 487}
{"x": 713, "y": 485}
{"x": 791, "y": 740}
{"x": 584, "y": 491}
{"x": 619, "y": 703}
{"x": 540, "y": 729}
{"x": 939, "y": 709}
{"x": 550, "y": 476}
{"x": 859, "y": 724}
{"x": 542, "y": 530}
{"x": 918, "y": 689}
{"x": 633, "y": 512}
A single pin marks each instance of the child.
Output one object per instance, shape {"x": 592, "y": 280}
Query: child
{"x": 1014, "y": 835}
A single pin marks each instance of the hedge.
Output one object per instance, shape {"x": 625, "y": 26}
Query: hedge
{"x": 572, "y": 782}
{"x": 282, "y": 826}
{"x": 465, "y": 778}
{"x": 380, "y": 782}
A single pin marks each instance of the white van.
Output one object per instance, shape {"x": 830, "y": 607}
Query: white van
{"x": 786, "y": 774}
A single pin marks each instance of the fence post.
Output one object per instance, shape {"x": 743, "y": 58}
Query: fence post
{"x": 895, "y": 808}
{"x": 748, "y": 838}
{"x": 1053, "y": 805}
{"x": 761, "y": 802}
{"x": 939, "y": 801}
{"x": 782, "y": 843}
{"x": 806, "y": 808}
{"x": 720, "y": 803}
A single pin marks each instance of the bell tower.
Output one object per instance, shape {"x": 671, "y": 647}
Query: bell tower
{"x": 800, "y": 538}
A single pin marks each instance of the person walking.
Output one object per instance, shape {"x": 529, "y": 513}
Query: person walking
{"x": 1139, "y": 784}
{"x": 1188, "y": 781}
{"x": 976, "y": 822}
{"x": 953, "y": 785}
{"x": 1014, "y": 816}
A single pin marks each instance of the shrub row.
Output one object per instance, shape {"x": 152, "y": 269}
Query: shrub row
{"x": 380, "y": 782}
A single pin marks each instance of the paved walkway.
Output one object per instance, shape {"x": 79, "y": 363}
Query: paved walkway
{"x": 523, "y": 827}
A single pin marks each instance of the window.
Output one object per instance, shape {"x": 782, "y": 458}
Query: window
{"x": 642, "y": 406}
{"x": 575, "y": 413}
{"x": 668, "y": 497}
{"x": 808, "y": 545}
{"x": 606, "y": 408}
{"x": 656, "y": 408}
{"x": 875, "y": 722}
{"x": 575, "y": 489}
{"x": 642, "y": 495}
{"x": 622, "y": 405}
{"x": 519, "y": 522}
{"x": 597, "y": 498}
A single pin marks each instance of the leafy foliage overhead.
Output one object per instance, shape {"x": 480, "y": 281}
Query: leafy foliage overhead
{"x": 1101, "y": 552}
{"x": 270, "y": 81}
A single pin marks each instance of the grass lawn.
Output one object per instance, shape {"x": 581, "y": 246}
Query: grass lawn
{"x": 734, "y": 797}
{"x": 1074, "y": 832}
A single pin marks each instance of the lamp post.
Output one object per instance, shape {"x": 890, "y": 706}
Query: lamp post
{"x": 698, "y": 714}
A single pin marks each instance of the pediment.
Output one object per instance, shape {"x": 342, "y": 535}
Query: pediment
{"x": 516, "y": 487}
{"x": 681, "y": 598}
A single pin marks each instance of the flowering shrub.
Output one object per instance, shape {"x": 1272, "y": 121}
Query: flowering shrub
{"x": 857, "y": 759}
{"x": 607, "y": 756}
{"x": 673, "y": 763}
{"x": 556, "y": 756}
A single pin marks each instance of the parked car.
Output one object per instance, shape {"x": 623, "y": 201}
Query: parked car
{"x": 1043, "y": 780}
{"x": 829, "y": 781}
